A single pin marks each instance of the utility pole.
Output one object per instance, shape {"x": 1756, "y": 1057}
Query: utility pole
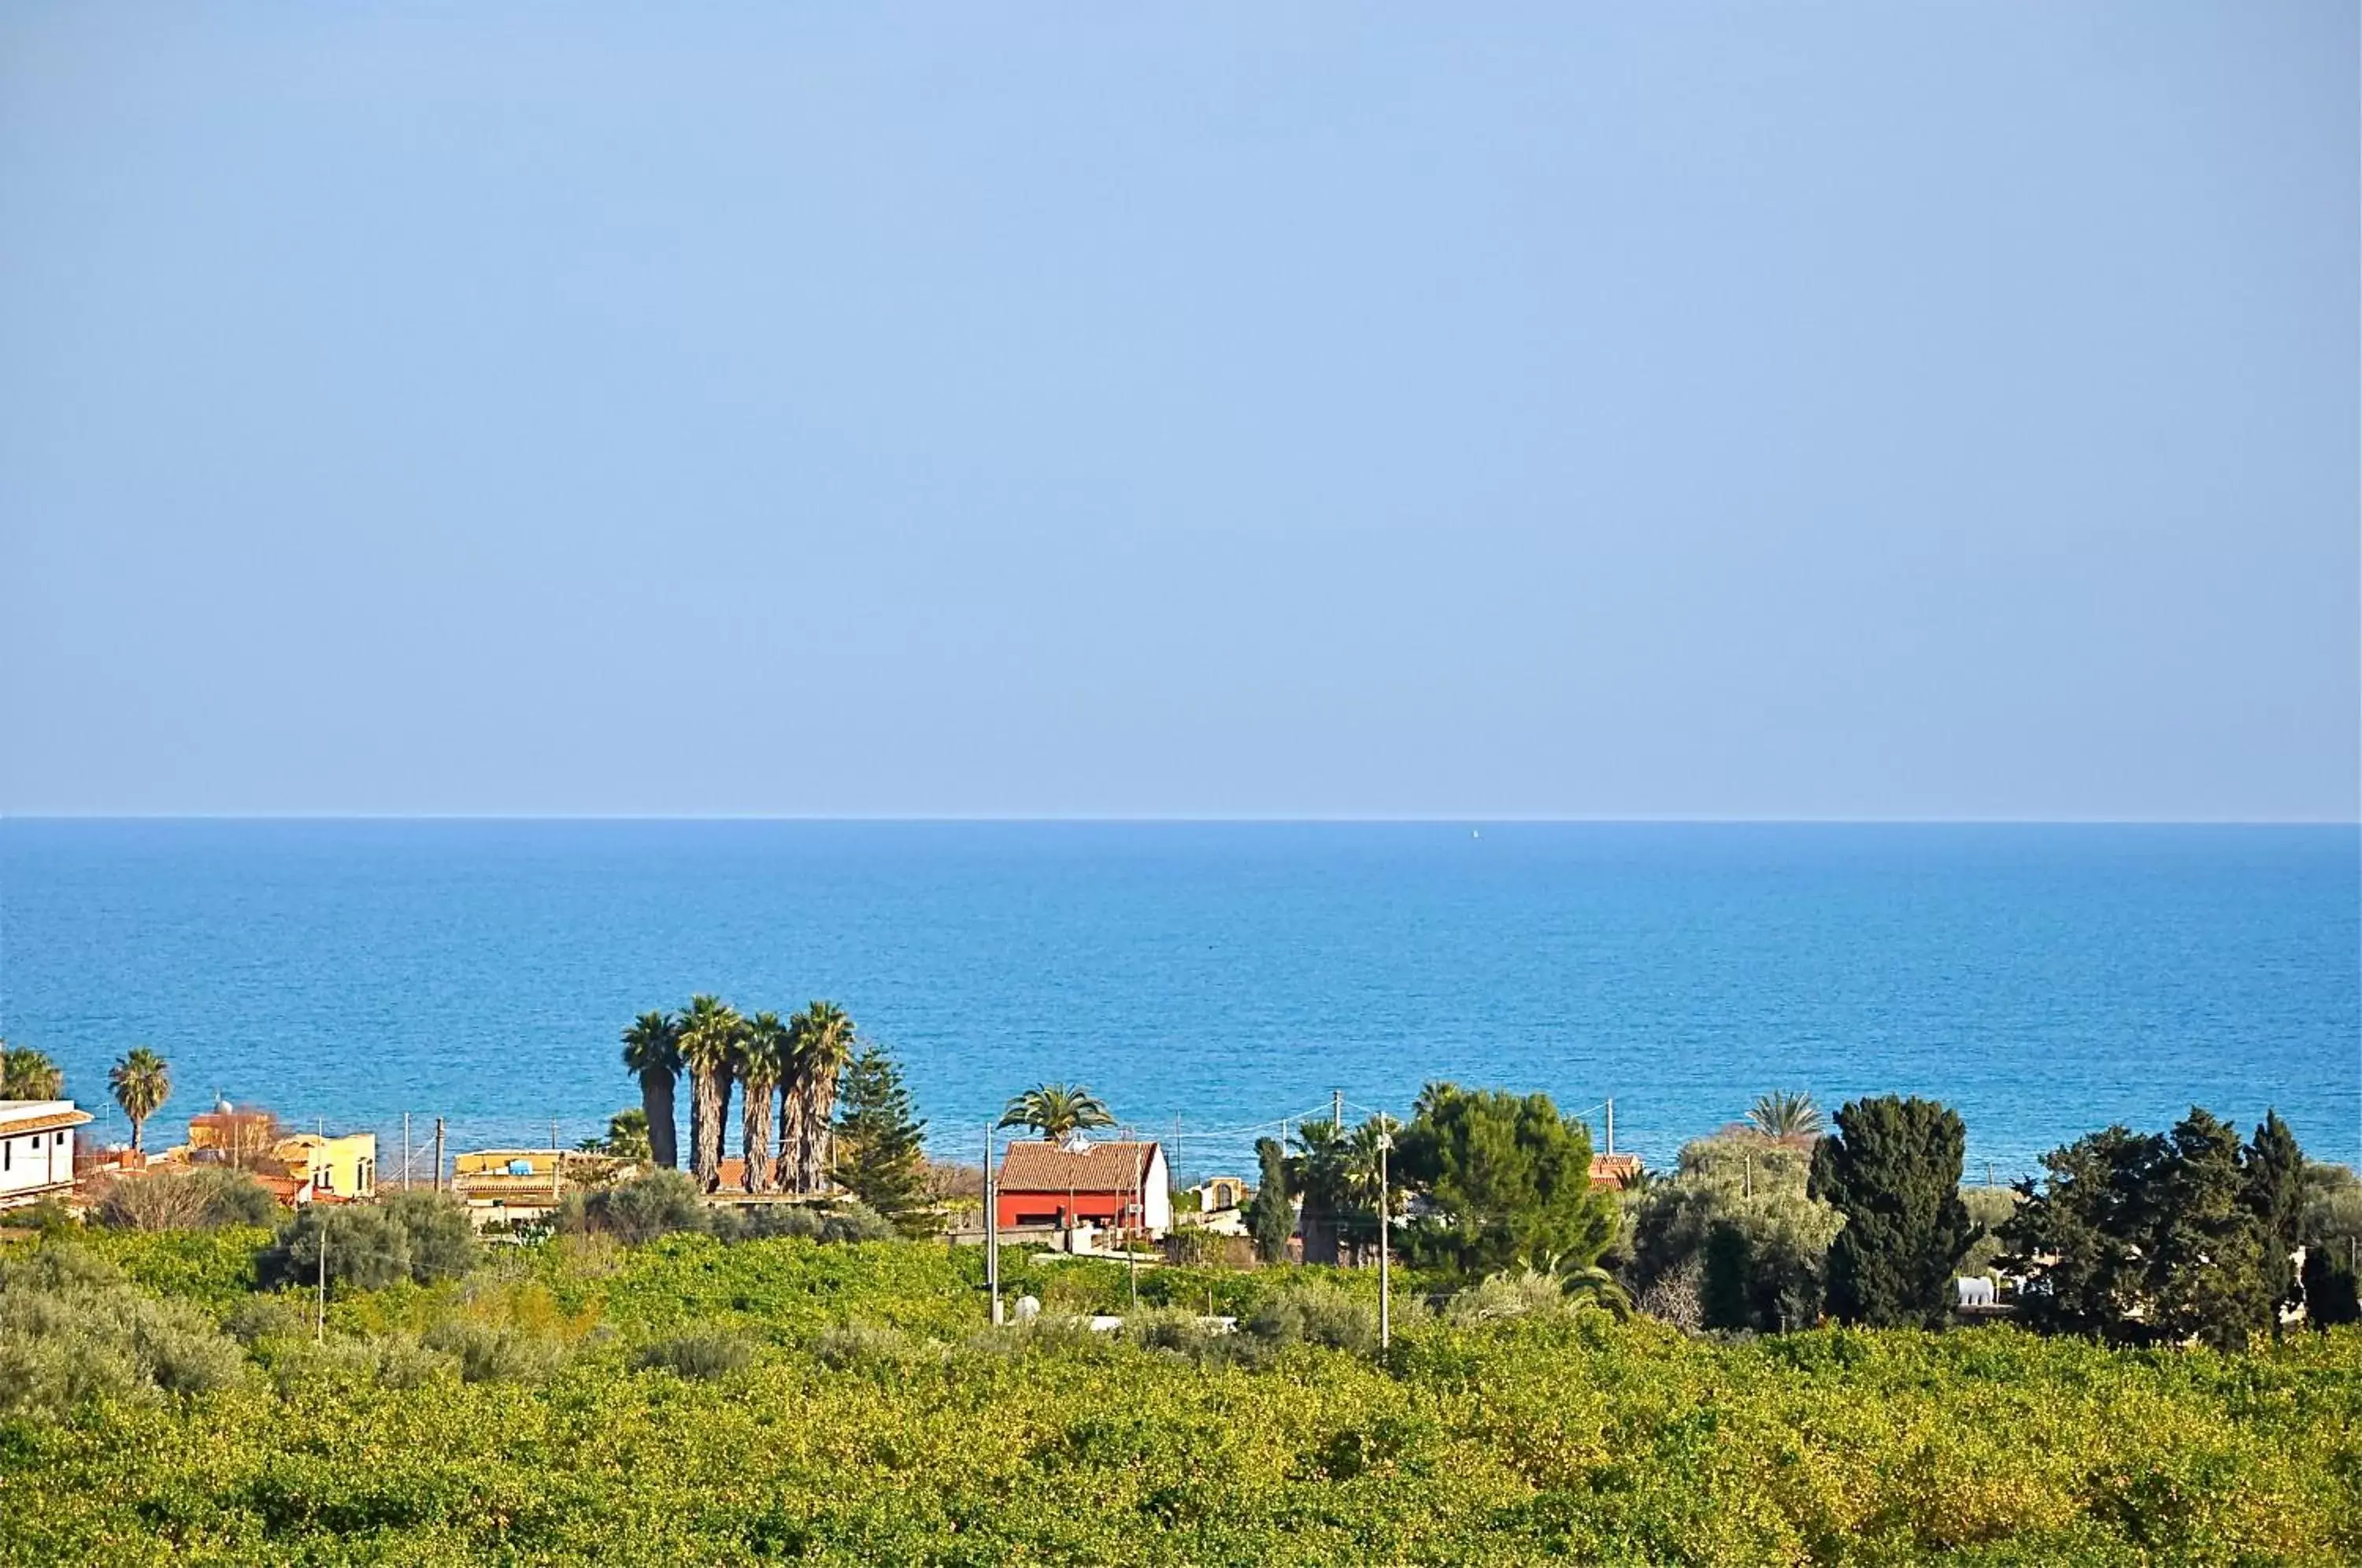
{"x": 405, "y": 1151}
{"x": 557, "y": 1167}
{"x": 1337, "y": 1108}
{"x": 320, "y": 1318}
{"x": 991, "y": 1230}
{"x": 438, "y": 1154}
{"x": 1140, "y": 1219}
{"x": 1386, "y": 1281}
{"x": 1611, "y": 1124}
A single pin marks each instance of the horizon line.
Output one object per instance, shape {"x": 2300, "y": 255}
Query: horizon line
{"x": 1176, "y": 820}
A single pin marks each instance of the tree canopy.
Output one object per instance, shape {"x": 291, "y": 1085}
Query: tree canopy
{"x": 2155, "y": 1238}
{"x": 1056, "y": 1110}
{"x": 1892, "y": 1169}
{"x": 1510, "y": 1182}
{"x": 879, "y": 1139}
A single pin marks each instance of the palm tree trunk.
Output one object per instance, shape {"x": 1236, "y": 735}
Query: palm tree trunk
{"x": 819, "y": 1105}
{"x": 795, "y": 1136}
{"x": 696, "y": 1102}
{"x": 664, "y": 1135}
{"x": 755, "y": 1139}
{"x": 138, "y": 1123}
{"x": 709, "y": 1116}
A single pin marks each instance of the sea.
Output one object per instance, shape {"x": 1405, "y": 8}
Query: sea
{"x": 1212, "y": 982}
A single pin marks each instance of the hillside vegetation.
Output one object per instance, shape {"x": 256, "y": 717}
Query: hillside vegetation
{"x": 694, "y": 1400}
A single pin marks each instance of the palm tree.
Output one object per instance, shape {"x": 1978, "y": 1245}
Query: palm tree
{"x": 143, "y": 1082}
{"x": 652, "y": 1054}
{"x": 25, "y": 1074}
{"x": 1599, "y": 1288}
{"x": 820, "y": 1045}
{"x": 763, "y": 1051}
{"x": 627, "y": 1139}
{"x": 1786, "y": 1118}
{"x": 1056, "y": 1110}
{"x": 710, "y": 1030}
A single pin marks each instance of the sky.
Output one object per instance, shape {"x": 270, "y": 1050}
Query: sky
{"x": 1831, "y": 411}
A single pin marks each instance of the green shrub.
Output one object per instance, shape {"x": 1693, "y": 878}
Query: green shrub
{"x": 847, "y": 1345}
{"x": 695, "y": 1356}
{"x": 442, "y": 1241}
{"x": 364, "y": 1249}
{"x": 203, "y": 1198}
{"x": 488, "y": 1353}
{"x": 846, "y": 1219}
{"x": 268, "y": 1317}
{"x": 1317, "y": 1314}
{"x": 49, "y": 1218}
{"x": 72, "y": 1330}
{"x": 654, "y": 1203}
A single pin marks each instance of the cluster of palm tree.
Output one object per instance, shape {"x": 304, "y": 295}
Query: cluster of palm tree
{"x": 1337, "y": 1171}
{"x": 785, "y": 1071}
{"x": 141, "y": 1082}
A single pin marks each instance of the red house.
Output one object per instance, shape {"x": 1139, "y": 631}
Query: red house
{"x": 1122, "y": 1186}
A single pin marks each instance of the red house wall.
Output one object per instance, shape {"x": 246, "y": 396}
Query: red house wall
{"x": 1099, "y": 1208}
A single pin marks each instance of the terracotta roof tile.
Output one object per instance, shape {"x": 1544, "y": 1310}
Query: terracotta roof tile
{"x": 1103, "y": 1168}
{"x": 43, "y": 1124}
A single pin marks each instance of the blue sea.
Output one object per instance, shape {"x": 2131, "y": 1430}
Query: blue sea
{"x": 1216, "y": 979}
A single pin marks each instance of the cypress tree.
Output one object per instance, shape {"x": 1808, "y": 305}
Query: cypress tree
{"x": 1271, "y": 1217}
{"x": 879, "y": 1143}
{"x": 1892, "y": 1169}
{"x": 2333, "y": 1295}
{"x": 2275, "y": 1195}
{"x": 1727, "y": 1278}
{"x": 2205, "y": 1267}
{"x": 2080, "y": 1234}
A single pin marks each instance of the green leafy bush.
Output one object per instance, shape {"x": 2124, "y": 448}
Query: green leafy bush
{"x": 491, "y": 1352}
{"x": 73, "y": 1329}
{"x": 654, "y": 1203}
{"x": 202, "y": 1199}
{"x": 695, "y": 1354}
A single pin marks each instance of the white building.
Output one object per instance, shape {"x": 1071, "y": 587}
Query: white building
{"x": 37, "y": 1149}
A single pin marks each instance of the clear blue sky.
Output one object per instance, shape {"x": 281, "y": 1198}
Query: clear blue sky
{"x": 1829, "y": 410}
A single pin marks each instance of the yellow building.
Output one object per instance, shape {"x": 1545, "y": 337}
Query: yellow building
{"x": 339, "y": 1167}
{"x": 253, "y": 1140}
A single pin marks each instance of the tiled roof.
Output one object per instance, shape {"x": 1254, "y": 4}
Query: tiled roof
{"x": 10, "y": 1129}
{"x": 1102, "y": 1167}
{"x": 1609, "y": 1170}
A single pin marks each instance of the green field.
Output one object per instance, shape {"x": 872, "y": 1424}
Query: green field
{"x": 687, "y": 1401}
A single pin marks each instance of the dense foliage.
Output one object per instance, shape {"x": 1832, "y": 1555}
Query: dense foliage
{"x": 1733, "y": 1240}
{"x": 1892, "y": 1171}
{"x": 691, "y": 1401}
{"x": 880, "y": 1144}
{"x": 423, "y": 1236}
{"x": 1508, "y": 1181}
{"x": 2158, "y": 1238}
{"x": 1270, "y": 1216}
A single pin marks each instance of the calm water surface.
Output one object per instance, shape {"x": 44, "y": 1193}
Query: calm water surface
{"x": 2044, "y": 980}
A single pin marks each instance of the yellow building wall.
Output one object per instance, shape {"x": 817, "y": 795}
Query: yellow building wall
{"x": 345, "y": 1166}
